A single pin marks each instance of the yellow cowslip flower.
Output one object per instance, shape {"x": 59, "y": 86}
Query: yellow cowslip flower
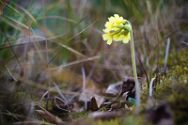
{"x": 117, "y": 29}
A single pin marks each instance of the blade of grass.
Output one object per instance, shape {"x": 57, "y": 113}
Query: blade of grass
{"x": 12, "y": 8}
{"x": 57, "y": 17}
{"x": 70, "y": 49}
{"x": 77, "y": 62}
{"x": 28, "y": 14}
{"x": 16, "y": 22}
{"x": 10, "y": 23}
{"x": 166, "y": 53}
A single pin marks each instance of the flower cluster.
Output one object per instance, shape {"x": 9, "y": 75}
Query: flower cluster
{"x": 117, "y": 29}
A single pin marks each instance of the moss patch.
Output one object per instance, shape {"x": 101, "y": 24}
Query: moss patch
{"x": 173, "y": 86}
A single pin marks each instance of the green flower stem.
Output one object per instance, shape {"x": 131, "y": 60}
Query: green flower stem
{"x": 137, "y": 84}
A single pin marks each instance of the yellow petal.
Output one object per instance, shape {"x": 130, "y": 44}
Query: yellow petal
{"x": 106, "y": 37}
{"x": 109, "y": 42}
{"x": 111, "y": 19}
{"x": 117, "y": 37}
{"x": 125, "y": 41}
{"x": 126, "y": 38}
{"x": 107, "y": 30}
{"x": 116, "y": 15}
{"x": 108, "y": 24}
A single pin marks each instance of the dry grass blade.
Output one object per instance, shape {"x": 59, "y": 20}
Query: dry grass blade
{"x": 151, "y": 86}
{"x": 14, "y": 9}
{"x": 57, "y": 17}
{"x": 84, "y": 79}
{"x": 105, "y": 115}
{"x": 77, "y": 62}
{"x": 31, "y": 41}
{"x": 61, "y": 94}
{"x": 166, "y": 53}
{"x": 28, "y": 14}
{"x": 10, "y": 73}
{"x": 70, "y": 49}
{"x": 32, "y": 123}
{"x": 49, "y": 116}
{"x": 12, "y": 22}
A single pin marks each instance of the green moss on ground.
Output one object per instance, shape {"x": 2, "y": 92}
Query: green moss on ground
{"x": 173, "y": 86}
